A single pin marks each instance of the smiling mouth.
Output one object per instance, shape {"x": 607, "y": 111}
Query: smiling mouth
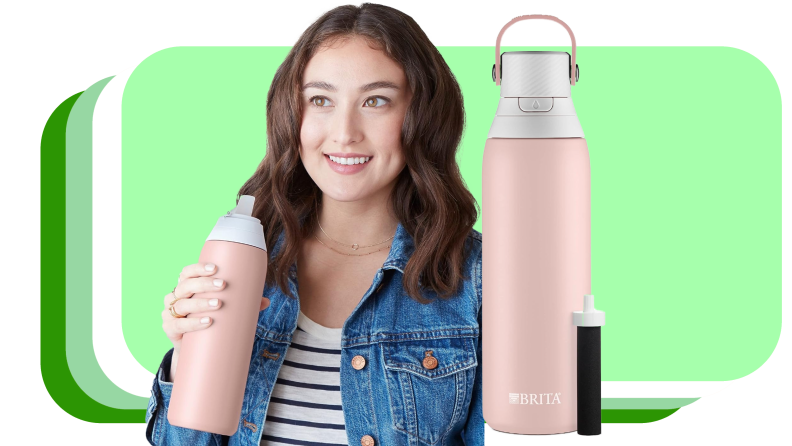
{"x": 349, "y": 161}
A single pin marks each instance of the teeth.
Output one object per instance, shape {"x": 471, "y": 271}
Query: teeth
{"x": 349, "y": 161}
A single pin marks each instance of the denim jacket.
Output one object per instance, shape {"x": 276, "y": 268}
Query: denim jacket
{"x": 393, "y": 398}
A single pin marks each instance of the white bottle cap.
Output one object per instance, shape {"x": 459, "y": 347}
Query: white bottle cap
{"x": 239, "y": 226}
{"x": 589, "y": 317}
{"x": 536, "y": 97}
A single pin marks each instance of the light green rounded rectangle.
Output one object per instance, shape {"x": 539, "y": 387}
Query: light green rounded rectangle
{"x": 685, "y": 149}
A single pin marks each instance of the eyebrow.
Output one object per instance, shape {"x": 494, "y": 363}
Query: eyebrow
{"x": 368, "y": 87}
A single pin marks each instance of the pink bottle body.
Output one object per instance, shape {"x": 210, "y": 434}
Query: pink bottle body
{"x": 213, "y": 365}
{"x": 536, "y": 267}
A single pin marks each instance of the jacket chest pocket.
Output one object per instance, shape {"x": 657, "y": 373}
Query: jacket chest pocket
{"x": 429, "y": 383}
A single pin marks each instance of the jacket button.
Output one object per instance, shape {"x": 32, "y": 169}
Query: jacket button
{"x": 429, "y": 361}
{"x": 358, "y": 362}
{"x": 367, "y": 440}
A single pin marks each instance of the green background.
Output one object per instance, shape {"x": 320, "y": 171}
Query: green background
{"x": 685, "y": 149}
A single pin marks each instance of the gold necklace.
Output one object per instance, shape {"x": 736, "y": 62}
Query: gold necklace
{"x": 356, "y": 255}
{"x": 354, "y": 246}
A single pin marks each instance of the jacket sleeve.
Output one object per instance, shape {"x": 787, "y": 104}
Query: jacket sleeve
{"x": 158, "y": 430}
{"x": 473, "y": 433}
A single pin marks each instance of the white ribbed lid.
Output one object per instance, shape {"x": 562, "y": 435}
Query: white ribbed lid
{"x": 239, "y": 226}
{"x": 535, "y": 74}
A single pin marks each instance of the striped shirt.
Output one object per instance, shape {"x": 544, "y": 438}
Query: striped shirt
{"x": 305, "y": 406}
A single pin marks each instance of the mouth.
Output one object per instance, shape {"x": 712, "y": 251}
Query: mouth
{"x": 347, "y": 165}
{"x": 348, "y": 160}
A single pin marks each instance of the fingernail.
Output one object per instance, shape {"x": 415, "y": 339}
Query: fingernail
{"x": 213, "y": 302}
{"x": 205, "y": 320}
{"x": 218, "y": 282}
{"x": 210, "y": 266}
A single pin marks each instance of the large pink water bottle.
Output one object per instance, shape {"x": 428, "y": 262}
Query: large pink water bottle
{"x": 209, "y": 385}
{"x": 537, "y": 250}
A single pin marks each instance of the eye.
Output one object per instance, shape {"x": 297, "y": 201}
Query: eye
{"x": 321, "y": 102}
{"x": 369, "y": 102}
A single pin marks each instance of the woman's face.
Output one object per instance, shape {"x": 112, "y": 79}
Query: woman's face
{"x": 354, "y": 100}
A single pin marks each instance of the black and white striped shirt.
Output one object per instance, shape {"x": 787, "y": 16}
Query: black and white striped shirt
{"x": 305, "y": 406}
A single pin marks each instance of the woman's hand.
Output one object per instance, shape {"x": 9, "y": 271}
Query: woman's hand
{"x": 193, "y": 279}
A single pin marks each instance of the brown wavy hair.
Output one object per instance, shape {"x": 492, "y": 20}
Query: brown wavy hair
{"x": 430, "y": 197}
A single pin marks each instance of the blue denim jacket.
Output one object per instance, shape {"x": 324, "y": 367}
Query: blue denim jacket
{"x": 393, "y": 398}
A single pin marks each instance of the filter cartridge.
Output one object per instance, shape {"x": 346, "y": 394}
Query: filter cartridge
{"x": 589, "y": 370}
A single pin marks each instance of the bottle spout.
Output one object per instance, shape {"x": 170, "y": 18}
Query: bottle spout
{"x": 244, "y": 206}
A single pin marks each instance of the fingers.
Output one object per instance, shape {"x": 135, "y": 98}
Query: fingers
{"x": 188, "y": 285}
{"x": 197, "y": 270}
{"x": 195, "y": 305}
{"x": 175, "y": 327}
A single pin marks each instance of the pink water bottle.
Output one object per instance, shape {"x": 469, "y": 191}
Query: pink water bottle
{"x": 209, "y": 385}
{"x": 537, "y": 250}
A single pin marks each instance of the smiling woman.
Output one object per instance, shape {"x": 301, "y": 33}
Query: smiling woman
{"x": 366, "y": 83}
{"x": 364, "y": 207}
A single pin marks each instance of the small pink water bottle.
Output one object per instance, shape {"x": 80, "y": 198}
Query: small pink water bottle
{"x": 209, "y": 385}
{"x": 537, "y": 249}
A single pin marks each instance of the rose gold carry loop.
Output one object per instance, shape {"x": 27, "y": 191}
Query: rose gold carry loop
{"x": 534, "y": 16}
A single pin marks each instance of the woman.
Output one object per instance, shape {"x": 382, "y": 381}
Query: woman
{"x": 360, "y": 195}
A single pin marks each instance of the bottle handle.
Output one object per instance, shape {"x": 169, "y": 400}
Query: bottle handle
{"x": 496, "y": 69}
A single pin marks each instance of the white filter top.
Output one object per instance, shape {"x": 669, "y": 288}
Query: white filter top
{"x": 239, "y": 226}
{"x": 589, "y": 317}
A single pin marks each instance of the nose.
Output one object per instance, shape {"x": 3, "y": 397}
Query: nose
{"x": 346, "y": 127}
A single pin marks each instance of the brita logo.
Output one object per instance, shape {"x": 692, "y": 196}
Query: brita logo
{"x": 535, "y": 398}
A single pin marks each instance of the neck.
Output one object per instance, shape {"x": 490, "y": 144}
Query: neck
{"x": 364, "y": 222}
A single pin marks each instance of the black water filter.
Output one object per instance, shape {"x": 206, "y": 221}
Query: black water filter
{"x": 589, "y": 367}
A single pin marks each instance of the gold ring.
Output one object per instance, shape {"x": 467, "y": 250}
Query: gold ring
{"x": 172, "y": 310}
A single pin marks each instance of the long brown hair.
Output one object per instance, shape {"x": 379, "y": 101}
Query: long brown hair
{"x": 430, "y": 198}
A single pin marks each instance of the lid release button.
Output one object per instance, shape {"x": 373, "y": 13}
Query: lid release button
{"x": 535, "y": 104}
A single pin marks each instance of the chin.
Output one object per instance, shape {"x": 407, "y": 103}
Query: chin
{"x": 339, "y": 194}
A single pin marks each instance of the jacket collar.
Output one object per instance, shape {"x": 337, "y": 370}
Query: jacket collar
{"x": 402, "y": 247}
